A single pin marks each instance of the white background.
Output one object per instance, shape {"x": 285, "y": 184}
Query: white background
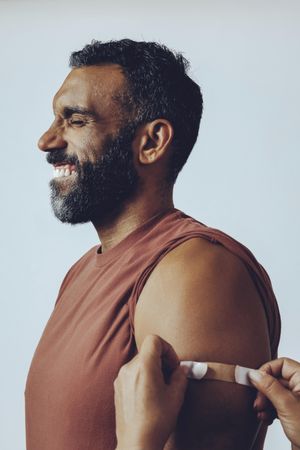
{"x": 243, "y": 175}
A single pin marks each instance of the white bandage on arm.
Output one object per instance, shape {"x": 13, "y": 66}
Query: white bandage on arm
{"x": 217, "y": 371}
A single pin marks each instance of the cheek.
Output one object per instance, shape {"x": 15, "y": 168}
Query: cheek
{"x": 86, "y": 147}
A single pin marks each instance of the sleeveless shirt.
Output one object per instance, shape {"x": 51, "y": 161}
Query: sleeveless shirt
{"x": 69, "y": 398}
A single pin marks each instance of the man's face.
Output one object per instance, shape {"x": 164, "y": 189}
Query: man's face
{"x": 89, "y": 145}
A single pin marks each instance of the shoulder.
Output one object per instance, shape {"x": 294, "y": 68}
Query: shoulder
{"x": 198, "y": 292}
{"x": 196, "y": 270}
{"x": 201, "y": 255}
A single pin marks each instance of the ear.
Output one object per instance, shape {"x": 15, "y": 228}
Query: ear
{"x": 153, "y": 141}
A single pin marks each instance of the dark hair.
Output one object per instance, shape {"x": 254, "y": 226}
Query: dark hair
{"x": 158, "y": 87}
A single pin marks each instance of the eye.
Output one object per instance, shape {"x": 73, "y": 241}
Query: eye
{"x": 77, "y": 122}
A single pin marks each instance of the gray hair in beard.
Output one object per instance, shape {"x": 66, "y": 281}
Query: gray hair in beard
{"x": 100, "y": 188}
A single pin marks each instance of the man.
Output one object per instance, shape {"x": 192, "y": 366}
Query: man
{"x": 126, "y": 118}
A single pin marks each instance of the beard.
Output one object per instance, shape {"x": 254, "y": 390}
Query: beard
{"x": 99, "y": 189}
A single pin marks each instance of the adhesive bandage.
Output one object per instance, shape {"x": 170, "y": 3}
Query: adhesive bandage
{"x": 217, "y": 371}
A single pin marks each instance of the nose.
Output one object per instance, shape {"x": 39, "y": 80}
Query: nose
{"x": 51, "y": 140}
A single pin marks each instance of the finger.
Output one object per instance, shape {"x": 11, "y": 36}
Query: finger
{"x": 126, "y": 368}
{"x": 261, "y": 402}
{"x": 159, "y": 353}
{"x": 270, "y": 387}
{"x": 273, "y": 368}
{"x": 294, "y": 382}
{"x": 264, "y": 409}
{"x": 282, "y": 368}
{"x": 178, "y": 383}
{"x": 179, "y": 376}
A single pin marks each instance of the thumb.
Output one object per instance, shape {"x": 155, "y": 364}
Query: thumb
{"x": 270, "y": 387}
{"x": 178, "y": 382}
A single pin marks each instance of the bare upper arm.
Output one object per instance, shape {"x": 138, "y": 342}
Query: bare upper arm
{"x": 201, "y": 299}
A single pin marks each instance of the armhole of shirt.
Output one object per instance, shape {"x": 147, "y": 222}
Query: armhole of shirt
{"x": 257, "y": 273}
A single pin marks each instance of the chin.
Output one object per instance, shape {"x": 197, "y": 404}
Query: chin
{"x": 66, "y": 214}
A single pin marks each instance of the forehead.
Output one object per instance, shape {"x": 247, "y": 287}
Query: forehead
{"x": 87, "y": 86}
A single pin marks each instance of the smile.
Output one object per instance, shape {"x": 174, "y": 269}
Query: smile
{"x": 64, "y": 171}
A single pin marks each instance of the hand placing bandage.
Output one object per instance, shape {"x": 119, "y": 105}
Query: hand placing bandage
{"x": 147, "y": 402}
{"x": 279, "y": 381}
{"x": 149, "y": 392}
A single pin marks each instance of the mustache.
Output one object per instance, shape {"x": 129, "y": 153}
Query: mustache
{"x": 60, "y": 156}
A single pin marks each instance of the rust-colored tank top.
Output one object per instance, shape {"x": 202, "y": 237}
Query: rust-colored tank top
{"x": 89, "y": 336}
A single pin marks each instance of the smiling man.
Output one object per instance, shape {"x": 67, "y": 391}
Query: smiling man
{"x": 125, "y": 121}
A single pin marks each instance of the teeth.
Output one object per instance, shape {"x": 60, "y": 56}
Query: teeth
{"x": 63, "y": 172}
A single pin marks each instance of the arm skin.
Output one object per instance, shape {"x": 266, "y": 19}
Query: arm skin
{"x": 201, "y": 299}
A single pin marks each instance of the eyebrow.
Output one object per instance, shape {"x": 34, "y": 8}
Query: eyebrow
{"x": 68, "y": 111}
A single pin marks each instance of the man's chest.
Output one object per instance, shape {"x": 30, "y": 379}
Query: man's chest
{"x": 86, "y": 341}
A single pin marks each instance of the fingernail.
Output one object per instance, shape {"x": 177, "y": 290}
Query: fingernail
{"x": 196, "y": 370}
{"x": 255, "y": 375}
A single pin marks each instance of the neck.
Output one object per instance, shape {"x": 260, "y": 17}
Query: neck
{"x": 114, "y": 228}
